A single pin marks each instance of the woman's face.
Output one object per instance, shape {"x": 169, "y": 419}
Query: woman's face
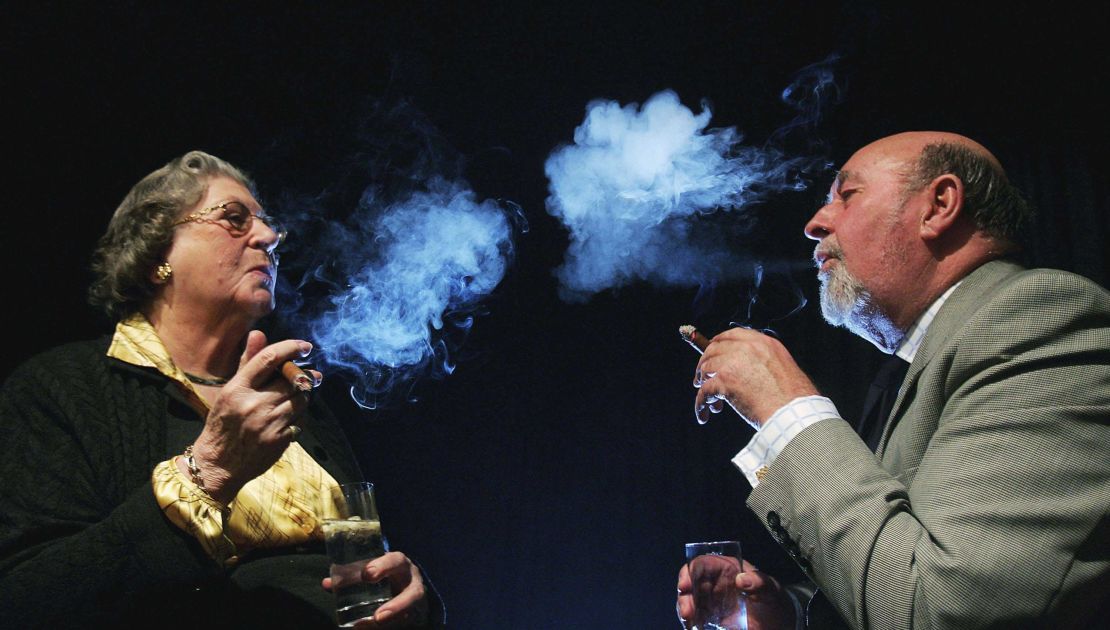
{"x": 216, "y": 268}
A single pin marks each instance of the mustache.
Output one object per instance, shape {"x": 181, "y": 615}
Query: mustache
{"x": 826, "y": 250}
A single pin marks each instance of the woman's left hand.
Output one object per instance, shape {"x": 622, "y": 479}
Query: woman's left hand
{"x": 409, "y": 606}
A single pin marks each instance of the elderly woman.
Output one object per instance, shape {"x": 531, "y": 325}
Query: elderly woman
{"x": 168, "y": 475}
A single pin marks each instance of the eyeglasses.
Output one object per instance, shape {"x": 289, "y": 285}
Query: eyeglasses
{"x": 236, "y": 219}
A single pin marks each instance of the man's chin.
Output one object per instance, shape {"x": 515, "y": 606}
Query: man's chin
{"x": 844, "y": 311}
{"x": 834, "y": 315}
{"x": 834, "y": 310}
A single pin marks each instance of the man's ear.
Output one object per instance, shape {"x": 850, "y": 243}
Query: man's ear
{"x": 946, "y": 205}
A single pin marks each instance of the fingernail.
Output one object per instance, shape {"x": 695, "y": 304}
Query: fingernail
{"x": 306, "y": 348}
{"x": 745, "y": 583}
{"x": 382, "y": 615}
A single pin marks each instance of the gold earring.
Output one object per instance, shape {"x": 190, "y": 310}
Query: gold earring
{"x": 163, "y": 272}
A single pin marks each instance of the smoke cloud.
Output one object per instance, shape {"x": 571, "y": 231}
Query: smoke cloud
{"x": 632, "y": 185}
{"x": 639, "y": 186}
{"x": 415, "y": 271}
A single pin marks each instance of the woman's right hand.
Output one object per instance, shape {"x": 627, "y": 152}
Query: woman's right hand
{"x": 247, "y": 426}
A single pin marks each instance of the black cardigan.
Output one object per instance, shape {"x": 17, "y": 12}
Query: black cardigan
{"x": 82, "y": 539}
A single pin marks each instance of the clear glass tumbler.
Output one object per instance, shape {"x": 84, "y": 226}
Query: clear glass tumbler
{"x": 353, "y": 540}
{"x": 718, "y": 603}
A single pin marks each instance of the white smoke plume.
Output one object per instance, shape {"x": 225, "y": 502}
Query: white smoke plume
{"x": 634, "y": 184}
{"x": 415, "y": 271}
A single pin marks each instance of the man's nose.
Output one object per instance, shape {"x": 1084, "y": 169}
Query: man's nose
{"x": 820, "y": 225}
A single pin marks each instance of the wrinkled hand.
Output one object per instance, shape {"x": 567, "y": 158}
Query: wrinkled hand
{"x": 409, "y": 606}
{"x": 752, "y": 372}
{"x": 769, "y": 606}
{"x": 246, "y": 429}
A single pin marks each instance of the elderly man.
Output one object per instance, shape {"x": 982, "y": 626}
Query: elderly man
{"x": 982, "y": 500}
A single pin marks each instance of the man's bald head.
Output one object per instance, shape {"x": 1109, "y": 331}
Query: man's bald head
{"x": 911, "y": 143}
{"x": 996, "y": 207}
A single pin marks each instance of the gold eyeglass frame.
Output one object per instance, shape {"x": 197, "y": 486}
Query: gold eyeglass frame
{"x": 201, "y": 216}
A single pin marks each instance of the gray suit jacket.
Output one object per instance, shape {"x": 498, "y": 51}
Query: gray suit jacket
{"x": 987, "y": 503}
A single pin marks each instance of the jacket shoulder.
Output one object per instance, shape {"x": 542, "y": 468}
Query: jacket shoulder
{"x": 1005, "y": 301}
{"x": 1049, "y": 296}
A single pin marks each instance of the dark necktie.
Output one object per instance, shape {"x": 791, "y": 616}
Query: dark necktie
{"x": 880, "y": 399}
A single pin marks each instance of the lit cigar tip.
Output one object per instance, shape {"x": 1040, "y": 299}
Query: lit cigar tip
{"x": 297, "y": 377}
{"x": 691, "y": 336}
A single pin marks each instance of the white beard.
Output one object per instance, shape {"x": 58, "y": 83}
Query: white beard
{"x": 845, "y": 301}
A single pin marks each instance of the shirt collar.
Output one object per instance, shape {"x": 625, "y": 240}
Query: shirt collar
{"x": 907, "y": 349}
{"x": 136, "y": 342}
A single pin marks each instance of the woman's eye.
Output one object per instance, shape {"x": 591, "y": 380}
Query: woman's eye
{"x": 236, "y": 216}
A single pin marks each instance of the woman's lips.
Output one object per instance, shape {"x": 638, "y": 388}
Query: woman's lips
{"x": 263, "y": 271}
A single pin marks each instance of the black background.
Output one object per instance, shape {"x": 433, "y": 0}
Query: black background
{"x": 552, "y": 480}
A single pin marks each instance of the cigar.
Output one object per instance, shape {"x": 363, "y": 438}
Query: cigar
{"x": 297, "y": 377}
{"x": 691, "y": 336}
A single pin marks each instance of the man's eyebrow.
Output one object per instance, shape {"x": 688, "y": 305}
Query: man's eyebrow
{"x": 838, "y": 183}
{"x": 843, "y": 176}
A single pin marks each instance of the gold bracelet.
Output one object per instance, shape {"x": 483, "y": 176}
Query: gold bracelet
{"x": 191, "y": 464}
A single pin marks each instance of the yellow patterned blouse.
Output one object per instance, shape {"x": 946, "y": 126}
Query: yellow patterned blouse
{"x": 280, "y": 508}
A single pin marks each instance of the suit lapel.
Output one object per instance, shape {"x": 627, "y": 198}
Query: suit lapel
{"x": 952, "y": 317}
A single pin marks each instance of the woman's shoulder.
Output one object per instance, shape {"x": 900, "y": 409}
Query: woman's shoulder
{"x": 75, "y": 354}
{"x": 67, "y": 364}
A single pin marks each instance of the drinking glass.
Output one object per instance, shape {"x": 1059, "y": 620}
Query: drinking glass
{"x": 718, "y": 604}
{"x": 352, "y": 540}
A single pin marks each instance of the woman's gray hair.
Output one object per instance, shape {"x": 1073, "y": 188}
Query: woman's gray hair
{"x": 141, "y": 230}
{"x": 997, "y": 206}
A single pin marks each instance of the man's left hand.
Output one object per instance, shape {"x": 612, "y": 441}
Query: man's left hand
{"x": 768, "y": 605}
{"x": 752, "y": 372}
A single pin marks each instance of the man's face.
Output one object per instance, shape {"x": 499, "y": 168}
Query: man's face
{"x": 862, "y": 233}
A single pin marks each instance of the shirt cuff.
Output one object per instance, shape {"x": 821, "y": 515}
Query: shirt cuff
{"x": 192, "y": 510}
{"x": 778, "y": 430}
